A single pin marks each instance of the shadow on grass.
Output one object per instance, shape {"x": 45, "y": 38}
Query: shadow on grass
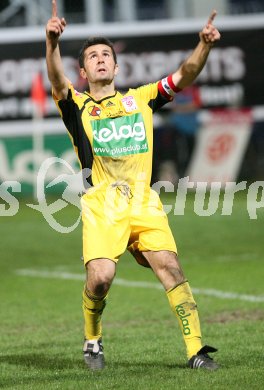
{"x": 39, "y": 368}
{"x": 144, "y": 365}
{"x": 41, "y": 361}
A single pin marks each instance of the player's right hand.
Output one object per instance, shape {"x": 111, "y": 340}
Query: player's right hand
{"x": 209, "y": 34}
{"x": 55, "y": 25}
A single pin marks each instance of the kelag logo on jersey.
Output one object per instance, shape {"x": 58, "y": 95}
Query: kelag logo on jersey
{"x": 119, "y": 136}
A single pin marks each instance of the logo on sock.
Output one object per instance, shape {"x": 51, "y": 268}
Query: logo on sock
{"x": 183, "y": 317}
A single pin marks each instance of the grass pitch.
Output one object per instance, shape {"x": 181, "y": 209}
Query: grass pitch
{"x": 41, "y": 318}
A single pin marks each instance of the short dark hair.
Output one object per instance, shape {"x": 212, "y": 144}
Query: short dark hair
{"x": 95, "y": 41}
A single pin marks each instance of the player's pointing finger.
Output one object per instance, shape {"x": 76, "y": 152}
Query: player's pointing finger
{"x": 211, "y": 17}
{"x": 54, "y": 8}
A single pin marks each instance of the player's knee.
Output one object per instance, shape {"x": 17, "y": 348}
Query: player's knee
{"x": 99, "y": 276}
{"x": 101, "y": 289}
{"x": 100, "y": 284}
{"x": 103, "y": 285}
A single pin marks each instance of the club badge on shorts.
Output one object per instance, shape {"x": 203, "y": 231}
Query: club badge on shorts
{"x": 129, "y": 103}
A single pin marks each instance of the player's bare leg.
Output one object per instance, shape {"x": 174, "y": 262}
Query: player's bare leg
{"x": 99, "y": 277}
{"x": 167, "y": 268}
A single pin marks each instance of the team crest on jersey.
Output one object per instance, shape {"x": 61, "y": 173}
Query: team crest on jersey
{"x": 94, "y": 111}
{"x": 129, "y": 103}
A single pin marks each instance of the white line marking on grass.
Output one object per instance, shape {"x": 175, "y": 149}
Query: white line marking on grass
{"x": 50, "y": 274}
{"x": 132, "y": 283}
{"x": 237, "y": 258}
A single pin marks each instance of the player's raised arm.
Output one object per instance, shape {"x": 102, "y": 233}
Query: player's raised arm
{"x": 193, "y": 65}
{"x": 54, "y": 29}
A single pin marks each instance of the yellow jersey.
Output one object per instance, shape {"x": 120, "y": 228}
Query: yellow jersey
{"x": 113, "y": 137}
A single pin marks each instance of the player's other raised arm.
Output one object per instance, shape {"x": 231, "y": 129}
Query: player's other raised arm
{"x": 54, "y": 29}
{"x": 193, "y": 65}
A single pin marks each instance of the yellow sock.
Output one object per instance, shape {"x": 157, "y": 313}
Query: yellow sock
{"x": 184, "y": 307}
{"x": 93, "y": 307}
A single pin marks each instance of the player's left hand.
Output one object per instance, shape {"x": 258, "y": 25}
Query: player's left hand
{"x": 209, "y": 33}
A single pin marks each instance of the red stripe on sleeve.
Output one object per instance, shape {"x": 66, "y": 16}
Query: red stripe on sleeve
{"x": 163, "y": 92}
{"x": 172, "y": 86}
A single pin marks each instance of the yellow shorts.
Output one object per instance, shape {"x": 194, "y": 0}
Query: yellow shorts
{"x": 115, "y": 219}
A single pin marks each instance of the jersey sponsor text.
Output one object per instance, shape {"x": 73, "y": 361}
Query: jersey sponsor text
{"x": 119, "y": 136}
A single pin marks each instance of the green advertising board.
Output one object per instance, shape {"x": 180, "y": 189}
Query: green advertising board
{"x": 20, "y": 160}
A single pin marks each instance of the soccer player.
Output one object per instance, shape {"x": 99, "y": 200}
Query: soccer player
{"x": 112, "y": 134}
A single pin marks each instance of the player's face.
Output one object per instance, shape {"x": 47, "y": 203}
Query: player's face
{"x": 99, "y": 64}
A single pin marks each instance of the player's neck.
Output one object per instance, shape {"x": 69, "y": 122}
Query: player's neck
{"x": 99, "y": 91}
